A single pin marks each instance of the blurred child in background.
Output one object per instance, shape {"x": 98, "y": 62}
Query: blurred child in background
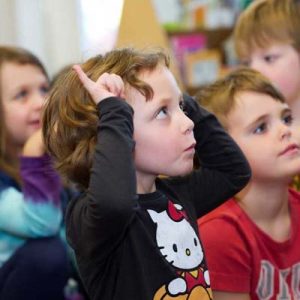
{"x": 33, "y": 259}
{"x": 267, "y": 38}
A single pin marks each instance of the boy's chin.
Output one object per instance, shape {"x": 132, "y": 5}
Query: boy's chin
{"x": 185, "y": 172}
{"x": 179, "y": 172}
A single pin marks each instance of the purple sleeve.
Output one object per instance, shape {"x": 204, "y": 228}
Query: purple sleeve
{"x": 40, "y": 181}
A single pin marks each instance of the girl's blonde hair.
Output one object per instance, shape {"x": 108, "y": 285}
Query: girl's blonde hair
{"x": 70, "y": 116}
{"x": 220, "y": 97}
{"x": 267, "y": 21}
{"x": 22, "y": 57}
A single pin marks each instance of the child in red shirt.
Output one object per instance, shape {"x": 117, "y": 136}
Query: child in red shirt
{"x": 252, "y": 241}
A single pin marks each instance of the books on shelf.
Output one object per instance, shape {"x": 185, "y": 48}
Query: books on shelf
{"x": 197, "y": 64}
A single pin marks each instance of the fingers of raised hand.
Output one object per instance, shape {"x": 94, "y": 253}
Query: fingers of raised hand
{"x": 107, "y": 85}
{"x": 85, "y": 80}
{"x": 114, "y": 83}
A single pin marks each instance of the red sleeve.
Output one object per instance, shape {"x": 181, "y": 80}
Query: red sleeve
{"x": 228, "y": 261}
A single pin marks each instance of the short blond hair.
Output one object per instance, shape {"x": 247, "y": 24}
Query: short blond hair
{"x": 220, "y": 97}
{"x": 264, "y": 22}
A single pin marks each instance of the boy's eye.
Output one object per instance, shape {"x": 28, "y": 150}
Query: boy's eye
{"x": 288, "y": 119}
{"x": 22, "y": 94}
{"x": 162, "y": 113}
{"x": 245, "y": 63}
{"x": 261, "y": 128}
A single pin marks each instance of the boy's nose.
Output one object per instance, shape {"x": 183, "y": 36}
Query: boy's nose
{"x": 256, "y": 65}
{"x": 188, "y": 124}
{"x": 260, "y": 66}
{"x": 285, "y": 132}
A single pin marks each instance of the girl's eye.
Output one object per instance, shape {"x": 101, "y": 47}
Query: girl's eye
{"x": 162, "y": 113}
{"x": 288, "y": 119}
{"x": 260, "y": 128}
{"x": 22, "y": 94}
{"x": 44, "y": 89}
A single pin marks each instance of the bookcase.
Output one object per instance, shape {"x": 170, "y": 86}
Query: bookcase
{"x": 199, "y": 57}
{"x": 200, "y": 54}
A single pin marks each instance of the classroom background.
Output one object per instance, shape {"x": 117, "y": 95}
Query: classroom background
{"x": 197, "y": 33}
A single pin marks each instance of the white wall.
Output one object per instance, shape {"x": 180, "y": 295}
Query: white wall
{"x": 49, "y": 28}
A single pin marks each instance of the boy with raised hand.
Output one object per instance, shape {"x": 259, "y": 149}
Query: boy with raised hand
{"x": 113, "y": 126}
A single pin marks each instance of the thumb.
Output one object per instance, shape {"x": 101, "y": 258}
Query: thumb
{"x": 85, "y": 80}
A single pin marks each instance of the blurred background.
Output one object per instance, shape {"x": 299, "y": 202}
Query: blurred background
{"x": 197, "y": 32}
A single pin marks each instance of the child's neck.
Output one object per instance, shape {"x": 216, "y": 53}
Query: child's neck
{"x": 145, "y": 183}
{"x": 268, "y": 207}
{"x": 14, "y": 155}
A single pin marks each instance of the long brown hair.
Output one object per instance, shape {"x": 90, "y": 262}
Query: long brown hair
{"x": 70, "y": 116}
{"x": 19, "y": 56}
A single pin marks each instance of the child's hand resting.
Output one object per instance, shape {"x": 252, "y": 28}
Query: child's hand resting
{"x": 34, "y": 146}
{"x": 107, "y": 85}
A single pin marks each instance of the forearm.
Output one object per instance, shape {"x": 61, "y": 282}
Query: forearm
{"x": 111, "y": 198}
{"x": 113, "y": 182}
{"x": 224, "y": 170}
{"x": 217, "y": 151}
{"x": 215, "y": 148}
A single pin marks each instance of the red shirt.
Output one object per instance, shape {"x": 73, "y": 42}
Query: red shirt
{"x": 243, "y": 259}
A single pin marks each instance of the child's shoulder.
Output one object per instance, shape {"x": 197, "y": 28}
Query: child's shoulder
{"x": 7, "y": 181}
{"x": 296, "y": 183}
{"x": 229, "y": 211}
{"x": 226, "y": 222}
{"x": 294, "y": 196}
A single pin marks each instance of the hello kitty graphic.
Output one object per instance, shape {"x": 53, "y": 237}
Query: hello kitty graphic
{"x": 180, "y": 246}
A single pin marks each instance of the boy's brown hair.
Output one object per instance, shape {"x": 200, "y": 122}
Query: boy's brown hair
{"x": 220, "y": 97}
{"x": 70, "y": 117}
{"x": 264, "y": 22}
{"x": 22, "y": 57}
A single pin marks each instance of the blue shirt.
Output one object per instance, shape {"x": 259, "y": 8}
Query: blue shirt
{"x": 31, "y": 211}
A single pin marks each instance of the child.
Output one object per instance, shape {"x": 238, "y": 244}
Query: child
{"x": 33, "y": 262}
{"x": 252, "y": 241}
{"x": 267, "y": 38}
{"x": 135, "y": 234}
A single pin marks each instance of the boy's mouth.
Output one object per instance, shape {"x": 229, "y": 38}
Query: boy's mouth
{"x": 290, "y": 148}
{"x": 192, "y": 147}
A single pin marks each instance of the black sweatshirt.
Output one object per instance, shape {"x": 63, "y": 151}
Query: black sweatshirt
{"x": 142, "y": 247}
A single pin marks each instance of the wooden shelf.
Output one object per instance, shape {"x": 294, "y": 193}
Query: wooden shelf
{"x": 215, "y": 37}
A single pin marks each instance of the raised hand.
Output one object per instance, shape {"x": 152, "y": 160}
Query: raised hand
{"x": 107, "y": 85}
